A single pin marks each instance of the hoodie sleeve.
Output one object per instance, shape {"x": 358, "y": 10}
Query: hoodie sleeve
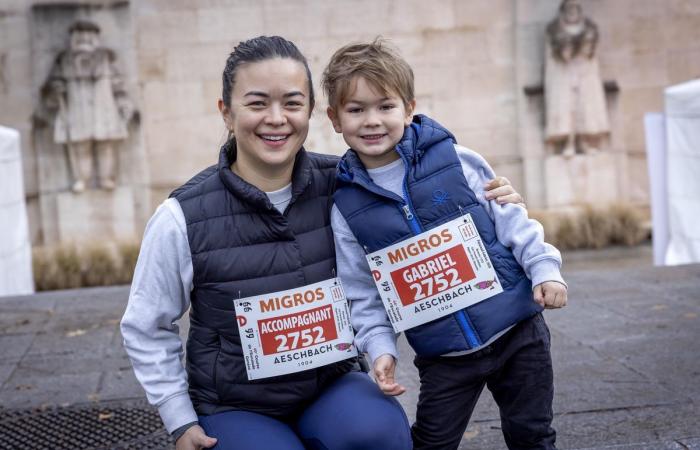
{"x": 374, "y": 334}
{"x": 524, "y": 236}
{"x": 159, "y": 296}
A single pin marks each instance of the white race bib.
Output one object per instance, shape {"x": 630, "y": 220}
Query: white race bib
{"x": 434, "y": 274}
{"x": 294, "y": 330}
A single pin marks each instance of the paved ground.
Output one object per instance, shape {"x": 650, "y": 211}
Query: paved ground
{"x": 625, "y": 352}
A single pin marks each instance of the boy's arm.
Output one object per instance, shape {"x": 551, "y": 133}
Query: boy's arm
{"x": 159, "y": 296}
{"x": 524, "y": 236}
{"x": 374, "y": 333}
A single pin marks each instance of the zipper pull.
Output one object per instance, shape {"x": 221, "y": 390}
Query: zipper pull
{"x": 407, "y": 212}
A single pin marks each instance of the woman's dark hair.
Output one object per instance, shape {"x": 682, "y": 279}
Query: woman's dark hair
{"x": 260, "y": 49}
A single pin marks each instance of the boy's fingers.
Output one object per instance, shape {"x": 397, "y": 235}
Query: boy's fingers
{"x": 392, "y": 388}
{"x": 538, "y": 296}
{"x": 557, "y": 300}
{"x": 561, "y": 299}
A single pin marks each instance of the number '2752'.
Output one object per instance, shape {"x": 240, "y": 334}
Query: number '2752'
{"x": 299, "y": 339}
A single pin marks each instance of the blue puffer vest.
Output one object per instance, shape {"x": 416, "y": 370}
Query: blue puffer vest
{"x": 436, "y": 190}
{"x": 242, "y": 246}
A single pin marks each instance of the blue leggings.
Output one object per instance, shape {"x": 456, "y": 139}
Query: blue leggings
{"x": 351, "y": 414}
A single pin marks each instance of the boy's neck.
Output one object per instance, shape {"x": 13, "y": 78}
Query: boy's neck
{"x": 375, "y": 162}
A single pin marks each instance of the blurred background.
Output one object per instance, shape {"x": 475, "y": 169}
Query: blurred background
{"x": 519, "y": 81}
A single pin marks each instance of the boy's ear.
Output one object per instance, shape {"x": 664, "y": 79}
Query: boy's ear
{"x": 409, "y": 112}
{"x": 334, "y": 119}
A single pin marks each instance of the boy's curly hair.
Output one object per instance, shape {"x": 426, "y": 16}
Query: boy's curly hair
{"x": 377, "y": 62}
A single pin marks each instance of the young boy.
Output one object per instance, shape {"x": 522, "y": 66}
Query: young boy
{"x": 404, "y": 175}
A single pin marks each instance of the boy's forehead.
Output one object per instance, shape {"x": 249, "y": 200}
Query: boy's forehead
{"x": 359, "y": 82}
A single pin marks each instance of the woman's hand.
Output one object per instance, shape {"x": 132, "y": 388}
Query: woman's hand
{"x": 194, "y": 439}
{"x": 500, "y": 189}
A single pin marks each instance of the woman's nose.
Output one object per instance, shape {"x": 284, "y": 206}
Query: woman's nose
{"x": 276, "y": 116}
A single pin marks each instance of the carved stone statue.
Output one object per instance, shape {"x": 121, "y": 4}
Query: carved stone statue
{"x": 576, "y": 113}
{"x": 92, "y": 109}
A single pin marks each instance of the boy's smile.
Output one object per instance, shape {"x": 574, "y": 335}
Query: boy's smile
{"x": 372, "y": 122}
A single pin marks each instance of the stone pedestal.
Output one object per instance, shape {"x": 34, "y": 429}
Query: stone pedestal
{"x": 90, "y": 216}
{"x": 581, "y": 179}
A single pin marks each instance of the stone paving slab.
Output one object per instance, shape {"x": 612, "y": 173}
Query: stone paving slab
{"x": 625, "y": 357}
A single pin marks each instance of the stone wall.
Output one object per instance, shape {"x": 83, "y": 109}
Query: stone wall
{"x": 471, "y": 60}
{"x": 461, "y": 53}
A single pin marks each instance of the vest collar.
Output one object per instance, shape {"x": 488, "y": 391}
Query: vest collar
{"x": 241, "y": 189}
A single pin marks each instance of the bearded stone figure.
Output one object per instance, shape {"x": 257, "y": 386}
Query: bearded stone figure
{"x": 576, "y": 113}
{"x": 92, "y": 109}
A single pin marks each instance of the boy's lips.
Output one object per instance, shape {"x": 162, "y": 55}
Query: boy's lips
{"x": 372, "y": 137}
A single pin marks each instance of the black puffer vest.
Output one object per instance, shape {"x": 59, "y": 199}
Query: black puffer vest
{"x": 242, "y": 246}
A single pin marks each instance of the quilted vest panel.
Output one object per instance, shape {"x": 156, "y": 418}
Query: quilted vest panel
{"x": 242, "y": 246}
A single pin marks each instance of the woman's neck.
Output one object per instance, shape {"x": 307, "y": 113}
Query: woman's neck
{"x": 266, "y": 179}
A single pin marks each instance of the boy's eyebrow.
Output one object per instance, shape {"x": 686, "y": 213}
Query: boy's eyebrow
{"x": 383, "y": 99}
{"x": 266, "y": 95}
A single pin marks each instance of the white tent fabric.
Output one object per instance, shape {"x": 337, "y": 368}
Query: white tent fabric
{"x": 682, "y": 104}
{"x": 655, "y": 133}
{"x": 15, "y": 247}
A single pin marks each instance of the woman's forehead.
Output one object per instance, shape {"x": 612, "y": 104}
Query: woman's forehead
{"x": 271, "y": 75}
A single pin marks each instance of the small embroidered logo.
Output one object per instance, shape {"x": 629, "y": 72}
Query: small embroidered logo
{"x": 440, "y": 197}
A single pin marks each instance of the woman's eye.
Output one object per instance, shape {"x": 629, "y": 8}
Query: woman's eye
{"x": 295, "y": 104}
{"x": 257, "y": 104}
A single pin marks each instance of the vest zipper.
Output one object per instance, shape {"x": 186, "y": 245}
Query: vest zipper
{"x": 407, "y": 208}
{"x": 411, "y": 218}
{"x": 467, "y": 329}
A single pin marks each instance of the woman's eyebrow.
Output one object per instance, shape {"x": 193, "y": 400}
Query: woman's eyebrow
{"x": 266, "y": 95}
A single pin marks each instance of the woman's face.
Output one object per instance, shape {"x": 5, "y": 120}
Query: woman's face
{"x": 269, "y": 114}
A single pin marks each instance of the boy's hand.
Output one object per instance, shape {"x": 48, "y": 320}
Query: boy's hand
{"x": 550, "y": 294}
{"x": 194, "y": 439}
{"x": 384, "y": 368}
{"x": 500, "y": 189}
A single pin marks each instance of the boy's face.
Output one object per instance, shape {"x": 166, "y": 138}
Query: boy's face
{"x": 372, "y": 123}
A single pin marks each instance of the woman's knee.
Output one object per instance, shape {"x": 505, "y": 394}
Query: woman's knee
{"x": 245, "y": 430}
{"x": 354, "y": 414}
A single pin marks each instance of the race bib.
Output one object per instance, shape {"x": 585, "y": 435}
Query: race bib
{"x": 294, "y": 330}
{"x": 434, "y": 274}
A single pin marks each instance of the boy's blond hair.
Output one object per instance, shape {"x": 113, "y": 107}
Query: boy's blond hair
{"x": 377, "y": 62}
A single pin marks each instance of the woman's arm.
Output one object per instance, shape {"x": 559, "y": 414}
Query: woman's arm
{"x": 160, "y": 295}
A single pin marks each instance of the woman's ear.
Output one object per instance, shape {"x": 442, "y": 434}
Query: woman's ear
{"x": 225, "y": 113}
{"x": 334, "y": 119}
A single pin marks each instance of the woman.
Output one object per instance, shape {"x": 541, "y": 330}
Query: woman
{"x": 256, "y": 223}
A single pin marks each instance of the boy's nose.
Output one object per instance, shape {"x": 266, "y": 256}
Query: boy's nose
{"x": 372, "y": 120}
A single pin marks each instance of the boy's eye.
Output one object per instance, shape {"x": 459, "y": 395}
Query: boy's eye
{"x": 354, "y": 110}
{"x": 388, "y": 106}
